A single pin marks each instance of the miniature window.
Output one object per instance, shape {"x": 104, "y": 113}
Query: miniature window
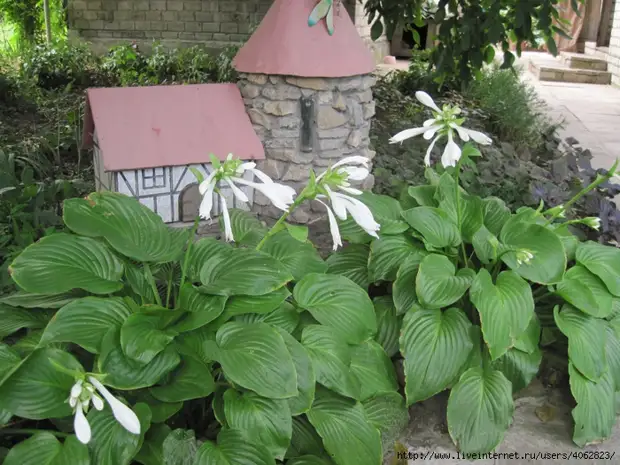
{"x": 153, "y": 178}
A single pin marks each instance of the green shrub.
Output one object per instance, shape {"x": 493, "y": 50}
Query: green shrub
{"x": 60, "y": 64}
{"x": 510, "y": 108}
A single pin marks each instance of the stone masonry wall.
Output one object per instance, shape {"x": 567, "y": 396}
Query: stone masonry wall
{"x": 343, "y": 109}
{"x": 215, "y": 23}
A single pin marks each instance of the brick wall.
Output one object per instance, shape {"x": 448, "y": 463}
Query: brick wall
{"x": 213, "y": 23}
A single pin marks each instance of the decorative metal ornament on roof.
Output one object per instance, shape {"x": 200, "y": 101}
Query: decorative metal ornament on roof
{"x": 325, "y": 9}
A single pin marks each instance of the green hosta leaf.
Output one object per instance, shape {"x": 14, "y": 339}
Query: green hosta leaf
{"x": 208, "y": 306}
{"x": 152, "y": 450}
{"x": 386, "y": 256}
{"x": 306, "y": 378}
{"x": 160, "y": 411}
{"x": 264, "y": 421}
{"x": 309, "y": 460}
{"x": 203, "y": 251}
{"x": 388, "y": 325}
{"x": 44, "y": 449}
{"x": 13, "y": 319}
{"x": 403, "y": 289}
{"x": 435, "y": 345}
{"x": 475, "y": 359}
{"x": 586, "y": 291}
{"x": 594, "y": 414}
{"x": 243, "y": 271}
{"x": 29, "y": 300}
{"x": 518, "y": 367}
{"x": 85, "y": 322}
{"x": 255, "y": 357}
{"x": 180, "y": 448}
{"x": 612, "y": 353}
{"x": 198, "y": 343}
{"x": 351, "y": 262}
{"x": 62, "y": 262}
{"x": 569, "y": 241}
{"x": 305, "y": 440}
{"x": 480, "y": 410}
{"x": 123, "y": 373}
{"x": 435, "y": 225}
{"x": 247, "y": 229}
{"x": 505, "y": 308}
{"x": 111, "y": 443}
{"x": 286, "y": 317}
{"x": 586, "y": 341}
{"x": 191, "y": 380}
{"x": 298, "y": 232}
{"x": 298, "y": 258}
{"x": 347, "y": 435}
{"x": 471, "y": 218}
{"x": 528, "y": 342}
{"x": 266, "y": 303}
{"x": 331, "y": 358}
{"x": 436, "y": 284}
{"x": 36, "y": 389}
{"x": 485, "y": 245}
{"x": 136, "y": 277}
{"x": 389, "y": 414}
{"x": 386, "y": 211}
{"x": 496, "y": 213}
{"x": 374, "y": 369}
{"x": 603, "y": 261}
{"x": 424, "y": 195}
{"x": 352, "y": 233}
{"x": 128, "y": 226}
{"x": 233, "y": 448}
{"x": 338, "y": 302}
{"x": 549, "y": 262}
{"x": 142, "y": 337}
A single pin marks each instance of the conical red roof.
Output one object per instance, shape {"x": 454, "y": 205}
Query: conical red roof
{"x": 284, "y": 44}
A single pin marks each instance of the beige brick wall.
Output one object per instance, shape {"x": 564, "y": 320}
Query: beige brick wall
{"x": 213, "y": 23}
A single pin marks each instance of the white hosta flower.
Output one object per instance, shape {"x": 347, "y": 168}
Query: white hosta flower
{"x": 230, "y": 173}
{"x": 444, "y": 123}
{"x": 524, "y": 256}
{"x": 354, "y": 168}
{"x": 592, "y": 222}
{"x": 83, "y": 393}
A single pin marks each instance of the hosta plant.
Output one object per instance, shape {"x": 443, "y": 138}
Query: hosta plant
{"x": 475, "y": 294}
{"x": 129, "y": 342}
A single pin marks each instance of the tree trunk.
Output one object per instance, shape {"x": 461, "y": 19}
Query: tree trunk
{"x": 48, "y": 21}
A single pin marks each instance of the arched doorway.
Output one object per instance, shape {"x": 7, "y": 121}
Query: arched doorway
{"x": 189, "y": 202}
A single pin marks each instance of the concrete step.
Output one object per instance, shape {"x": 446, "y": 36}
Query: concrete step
{"x": 581, "y": 61}
{"x": 562, "y": 73}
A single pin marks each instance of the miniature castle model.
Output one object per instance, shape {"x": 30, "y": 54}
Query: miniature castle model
{"x": 303, "y": 101}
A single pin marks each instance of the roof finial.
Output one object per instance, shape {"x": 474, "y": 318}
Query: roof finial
{"x": 324, "y": 9}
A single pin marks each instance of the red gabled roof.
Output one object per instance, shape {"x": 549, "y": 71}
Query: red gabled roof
{"x": 284, "y": 44}
{"x": 147, "y": 127}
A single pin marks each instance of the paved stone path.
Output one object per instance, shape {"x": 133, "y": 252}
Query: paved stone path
{"x": 590, "y": 112}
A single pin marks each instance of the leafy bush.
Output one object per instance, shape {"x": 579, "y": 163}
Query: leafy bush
{"x": 60, "y": 64}
{"x": 511, "y": 108}
{"x": 203, "y": 340}
{"x": 29, "y": 208}
{"x": 473, "y": 288}
{"x": 127, "y": 65}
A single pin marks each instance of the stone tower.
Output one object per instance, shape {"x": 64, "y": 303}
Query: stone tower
{"x": 308, "y": 94}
